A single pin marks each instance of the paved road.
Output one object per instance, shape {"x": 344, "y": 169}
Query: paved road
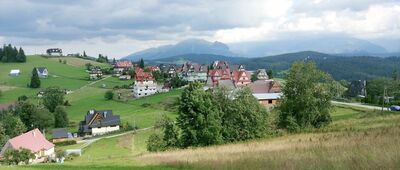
{"x": 359, "y": 105}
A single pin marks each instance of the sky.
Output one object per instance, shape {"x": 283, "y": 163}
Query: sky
{"x": 120, "y": 27}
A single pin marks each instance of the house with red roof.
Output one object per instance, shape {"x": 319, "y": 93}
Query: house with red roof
{"x": 233, "y": 77}
{"x": 145, "y": 84}
{"x": 34, "y": 141}
{"x": 121, "y": 67}
{"x": 241, "y": 77}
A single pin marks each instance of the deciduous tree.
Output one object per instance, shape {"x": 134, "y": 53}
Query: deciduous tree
{"x": 306, "y": 99}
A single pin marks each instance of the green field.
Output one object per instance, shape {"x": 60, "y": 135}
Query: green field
{"x": 86, "y": 94}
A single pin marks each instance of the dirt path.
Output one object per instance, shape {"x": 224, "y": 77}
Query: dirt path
{"x": 88, "y": 142}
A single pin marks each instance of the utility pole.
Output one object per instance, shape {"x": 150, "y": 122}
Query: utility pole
{"x": 384, "y": 96}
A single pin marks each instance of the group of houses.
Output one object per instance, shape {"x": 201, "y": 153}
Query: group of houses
{"x": 266, "y": 90}
{"x": 95, "y": 122}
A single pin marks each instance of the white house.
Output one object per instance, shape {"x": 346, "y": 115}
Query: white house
{"x": 145, "y": 84}
{"x": 42, "y": 72}
{"x": 98, "y": 122}
{"x": 34, "y": 141}
{"x": 15, "y": 72}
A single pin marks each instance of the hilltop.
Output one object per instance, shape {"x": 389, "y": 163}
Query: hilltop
{"x": 189, "y": 46}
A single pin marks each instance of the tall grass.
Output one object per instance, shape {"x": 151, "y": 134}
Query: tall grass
{"x": 369, "y": 149}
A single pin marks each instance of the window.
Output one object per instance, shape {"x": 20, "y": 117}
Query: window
{"x": 145, "y": 93}
{"x": 139, "y": 93}
{"x": 269, "y": 101}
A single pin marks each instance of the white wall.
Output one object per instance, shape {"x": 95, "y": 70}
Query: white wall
{"x": 103, "y": 130}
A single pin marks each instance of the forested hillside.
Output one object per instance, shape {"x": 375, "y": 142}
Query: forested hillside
{"x": 340, "y": 67}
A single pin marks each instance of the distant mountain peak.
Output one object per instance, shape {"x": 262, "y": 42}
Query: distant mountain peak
{"x": 188, "y": 46}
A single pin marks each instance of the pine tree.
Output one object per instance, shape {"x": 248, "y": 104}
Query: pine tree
{"x": 21, "y": 56}
{"x": 35, "y": 81}
{"x": 1, "y": 53}
{"x": 141, "y": 64}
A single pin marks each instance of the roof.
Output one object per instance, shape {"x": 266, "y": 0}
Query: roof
{"x": 99, "y": 118}
{"x": 41, "y": 69}
{"x": 6, "y": 106}
{"x": 237, "y": 74}
{"x": 141, "y": 75}
{"x": 60, "y": 133}
{"x": 265, "y": 86}
{"x": 267, "y": 96}
{"x": 123, "y": 64}
{"x": 33, "y": 140}
{"x": 15, "y": 71}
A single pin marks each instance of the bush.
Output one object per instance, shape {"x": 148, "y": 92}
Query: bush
{"x": 22, "y": 98}
{"x": 109, "y": 95}
{"x": 66, "y": 103}
{"x": 146, "y": 105}
{"x": 66, "y": 143}
{"x": 155, "y": 143}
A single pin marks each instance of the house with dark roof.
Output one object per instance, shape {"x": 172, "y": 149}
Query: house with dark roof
{"x": 95, "y": 73}
{"x": 42, "y": 72}
{"x": 34, "y": 141}
{"x": 61, "y": 134}
{"x": 98, "y": 122}
{"x": 193, "y": 72}
{"x": 266, "y": 91}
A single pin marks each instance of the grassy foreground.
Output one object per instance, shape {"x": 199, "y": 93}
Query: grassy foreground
{"x": 356, "y": 139}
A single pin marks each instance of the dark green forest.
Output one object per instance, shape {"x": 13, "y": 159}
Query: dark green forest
{"x": 11, "y": 54}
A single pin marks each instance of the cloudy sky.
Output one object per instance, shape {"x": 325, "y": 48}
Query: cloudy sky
{"x": 120, "y": 27}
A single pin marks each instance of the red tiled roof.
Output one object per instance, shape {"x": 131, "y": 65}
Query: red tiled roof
{"x": 141, "y": 75}
{"x": 153, "y": 68}
{"x": 33, "y": 140}
{"x": 236, "y": 74}
{"x": 123, "y": 64}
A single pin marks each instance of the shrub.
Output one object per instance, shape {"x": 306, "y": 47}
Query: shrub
{"x": 66, "y": 143}
{"x": 155, "y": 143}
{"x": 109, "y": 95}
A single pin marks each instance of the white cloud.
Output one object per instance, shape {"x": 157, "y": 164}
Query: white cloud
{"x": 121, "y": 27}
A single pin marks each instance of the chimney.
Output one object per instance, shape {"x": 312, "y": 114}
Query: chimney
{"x": 91, "y": 112}
{"x": 105, "y": 114}
{"x": 34, "y": 134}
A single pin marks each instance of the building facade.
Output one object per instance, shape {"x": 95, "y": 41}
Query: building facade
{"x": 145, "y": 84}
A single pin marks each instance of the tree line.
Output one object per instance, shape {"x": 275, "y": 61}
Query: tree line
{"x": 220, "y": 116}
{"x": 11, "y": 54}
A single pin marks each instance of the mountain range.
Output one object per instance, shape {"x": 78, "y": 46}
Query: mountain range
{"x": 190, "y": 46}
{"x": 330, "y": 44}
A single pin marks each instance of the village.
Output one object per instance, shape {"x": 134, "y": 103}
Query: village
{"x": 145, "y": 82}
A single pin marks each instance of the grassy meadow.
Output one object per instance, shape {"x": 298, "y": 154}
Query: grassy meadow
{"x": 86, "y": 94}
